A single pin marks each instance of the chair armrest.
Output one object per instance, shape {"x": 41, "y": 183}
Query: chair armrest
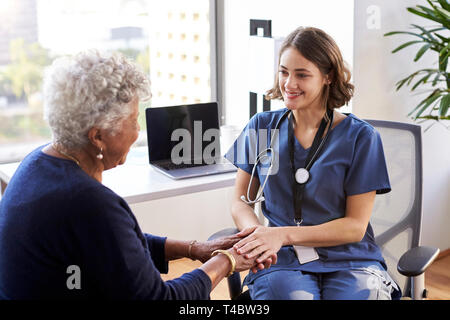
{"x": 223, "y": 233}
{"x": 415, "y": 261}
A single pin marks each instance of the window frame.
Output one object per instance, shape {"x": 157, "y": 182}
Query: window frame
{"x": 217, "y": 60}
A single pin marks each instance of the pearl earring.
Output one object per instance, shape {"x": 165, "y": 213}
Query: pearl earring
{"x": 100, "y": 155}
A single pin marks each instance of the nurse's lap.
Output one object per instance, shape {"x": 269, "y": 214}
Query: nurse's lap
{"x": 356, "y": 284}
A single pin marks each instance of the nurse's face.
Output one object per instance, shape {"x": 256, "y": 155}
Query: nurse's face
{"x": 300, "y": 81}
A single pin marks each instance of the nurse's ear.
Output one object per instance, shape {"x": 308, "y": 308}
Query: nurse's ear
{"x": 329, "y": 78}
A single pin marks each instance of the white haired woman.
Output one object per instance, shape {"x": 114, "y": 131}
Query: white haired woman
{"x": 56, "y": 217}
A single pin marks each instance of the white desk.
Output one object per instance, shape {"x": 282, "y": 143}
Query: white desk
{"x": 201, "y": 208}
{"x": 136, "y": 181}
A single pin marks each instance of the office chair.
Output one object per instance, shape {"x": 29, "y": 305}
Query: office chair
{"x": 396, "y": 217}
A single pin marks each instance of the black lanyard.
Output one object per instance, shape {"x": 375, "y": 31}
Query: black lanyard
{"x": 313, "y": 154}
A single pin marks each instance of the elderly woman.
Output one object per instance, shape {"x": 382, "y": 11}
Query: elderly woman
{"x": 63, "y": 234}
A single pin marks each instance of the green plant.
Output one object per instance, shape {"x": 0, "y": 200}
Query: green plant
{"x": 435, "y": 38}
{"x": 23, "y": 76}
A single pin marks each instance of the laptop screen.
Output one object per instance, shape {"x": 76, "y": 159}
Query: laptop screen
{"x": 183, "y": 134}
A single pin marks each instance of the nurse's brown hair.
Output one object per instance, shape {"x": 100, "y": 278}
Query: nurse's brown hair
{"x": 319, "y": 48}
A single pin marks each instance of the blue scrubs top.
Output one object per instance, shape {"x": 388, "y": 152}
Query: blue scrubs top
{"x": 351, "y": 162}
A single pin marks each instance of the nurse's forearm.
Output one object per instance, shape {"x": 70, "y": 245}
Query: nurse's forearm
{"x": 243, "y": 215}
{"x": 337, "y": 232}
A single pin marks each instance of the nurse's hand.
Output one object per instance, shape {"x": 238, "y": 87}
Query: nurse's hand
{"x": 261, "y": 243}
{"x": 265, "y": 264}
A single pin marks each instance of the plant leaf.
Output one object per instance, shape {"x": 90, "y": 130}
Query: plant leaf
{"x": 444, "y": 39}
{"x": 428, "y": 101}
{"x": 445, "y": 104}
{"x": 400, "y": 84}
{"x": 447, "y": 48}
{"x": 432, "y": 12}
{"x": 422, "y": 80}
{"x": 444, "y": 4}
{"x": 406, "y": 32}
{"x": 406, "y": 44}
{"x": 425, "y": 31}
{"x": 444, "y": 12}
{"x": 424, "y": 101}
{"x": 438, "y": 12}
{"x": 411, "y": 77}
{"x": 443, "y": 61}
{"x": 425, "y": 15}
{"x": 441, "y": 11}
{"x": 421, "y": 51}
{"x": 436, "y": 79}
{"x": 437, "y": 29}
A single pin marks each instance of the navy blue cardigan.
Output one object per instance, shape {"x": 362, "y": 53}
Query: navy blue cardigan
{"x": 53, "y": 216}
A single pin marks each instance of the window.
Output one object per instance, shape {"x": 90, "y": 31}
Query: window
{"x": 183, "y": 74}
{"x": 169, "y": 39}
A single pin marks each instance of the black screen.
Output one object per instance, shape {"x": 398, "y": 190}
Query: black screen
{"x": 194, "y": 120}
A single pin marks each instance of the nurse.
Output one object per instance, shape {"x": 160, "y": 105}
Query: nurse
{"x": 319, "y": 239}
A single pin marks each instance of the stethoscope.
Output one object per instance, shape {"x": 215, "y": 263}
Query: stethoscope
{"x": 302, "y": 174}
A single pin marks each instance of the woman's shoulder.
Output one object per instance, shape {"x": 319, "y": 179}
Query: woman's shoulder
{"x": 96, "y": 195}
{"x": 267, "y": 119}
{"x": 69, "y": 179}
{"x": 359, "y": 126}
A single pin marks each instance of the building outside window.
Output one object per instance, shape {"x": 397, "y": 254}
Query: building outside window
{"x": 180, "y": 60}
{"x": 169, "y": 39}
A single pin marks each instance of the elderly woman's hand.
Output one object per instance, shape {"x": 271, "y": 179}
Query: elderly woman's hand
{"x": 202, "y": 250}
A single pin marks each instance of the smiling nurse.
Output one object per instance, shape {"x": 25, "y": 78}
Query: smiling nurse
{"x": 319, "y": 238}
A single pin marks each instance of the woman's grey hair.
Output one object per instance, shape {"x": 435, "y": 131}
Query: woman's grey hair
{"x": 87, "y": 90}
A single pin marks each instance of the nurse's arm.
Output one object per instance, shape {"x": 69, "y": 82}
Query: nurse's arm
{"x": 351, "y": 228}
{"x": 265, "y": 241}
{"x": 242, "y": 213}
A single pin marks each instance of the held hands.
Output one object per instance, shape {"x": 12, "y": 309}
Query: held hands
{"x": 260, "y": 243}
{"x": 202, "y": 250}
{"x": 242, "y": 246}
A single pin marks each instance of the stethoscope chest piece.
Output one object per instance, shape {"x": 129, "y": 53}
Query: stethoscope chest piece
{"x": 301, "y": 176}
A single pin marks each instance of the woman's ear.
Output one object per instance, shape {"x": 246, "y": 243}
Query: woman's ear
{"x": 95, "y": 137}
{"x": 329, "y": 77}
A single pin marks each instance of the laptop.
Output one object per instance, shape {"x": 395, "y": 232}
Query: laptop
{"x": 184, "y": 140}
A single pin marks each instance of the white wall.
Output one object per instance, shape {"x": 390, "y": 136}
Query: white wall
{"x": 376, "y": 71}
{"x": 187, "y": 217}
{"x": 334, "y": 17}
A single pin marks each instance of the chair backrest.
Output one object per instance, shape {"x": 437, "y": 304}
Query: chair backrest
{"x": 397, "y": 215}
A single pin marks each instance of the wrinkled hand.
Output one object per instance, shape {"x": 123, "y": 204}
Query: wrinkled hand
{"x": 261, "y": 243}
{"x": 202, "y": 250}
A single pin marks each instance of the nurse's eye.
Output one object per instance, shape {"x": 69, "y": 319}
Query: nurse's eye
{"x": 283, "y": 72}
{"x": 302, "y": 75}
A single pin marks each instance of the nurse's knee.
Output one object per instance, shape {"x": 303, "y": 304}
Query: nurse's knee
{"x": 285, "y": 285}
{"x": 356, "y": 284}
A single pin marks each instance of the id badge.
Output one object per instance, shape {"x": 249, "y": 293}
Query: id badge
{"x": 305, "y": 254}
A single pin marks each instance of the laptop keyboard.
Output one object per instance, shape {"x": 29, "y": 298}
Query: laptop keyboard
{"x": 172, "y": 166}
